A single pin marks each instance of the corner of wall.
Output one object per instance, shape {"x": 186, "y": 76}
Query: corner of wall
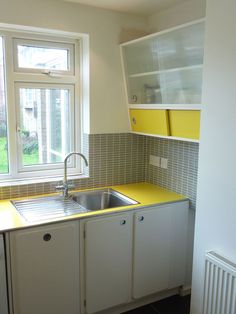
{"x": 181, "y": 13}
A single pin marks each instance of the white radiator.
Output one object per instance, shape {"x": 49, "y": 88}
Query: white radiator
{"x": 220, "y": 285}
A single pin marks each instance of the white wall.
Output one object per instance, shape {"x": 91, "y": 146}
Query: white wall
{"x": 107, "y": 99}
{"x": 216, "y": 203}
{"x": 184, "y": 12}
{"x": 179, "y": 14}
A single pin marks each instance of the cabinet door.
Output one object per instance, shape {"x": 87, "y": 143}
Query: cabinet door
{"x": 45, "y": 269}
{"x": 178, "y": 234}
{"x": 149, "y": 121}
{"x": 151, "y": 251}
{"x": 3, "y": 286}
{"x": 185, "y": 123}
{"x": 107, "y": 262}
{"x": 160, "y": 244}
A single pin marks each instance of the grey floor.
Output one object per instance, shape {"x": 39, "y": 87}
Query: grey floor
{"x": 171, "y": 305}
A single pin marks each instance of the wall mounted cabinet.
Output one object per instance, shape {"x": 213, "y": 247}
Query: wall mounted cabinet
{"x": 164, "y": 71}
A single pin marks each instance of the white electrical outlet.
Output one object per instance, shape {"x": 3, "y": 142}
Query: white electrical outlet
{"x": 154, "y": 160}
{"x": 164, "y": 163}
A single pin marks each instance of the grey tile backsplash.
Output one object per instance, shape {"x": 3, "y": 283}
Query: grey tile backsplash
{"x": 113, "y": 159}
{"x": 181, "y": 174}
{"x": 124, "y": 158}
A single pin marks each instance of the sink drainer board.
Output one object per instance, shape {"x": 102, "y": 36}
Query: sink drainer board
{"x": 46, "y": 208}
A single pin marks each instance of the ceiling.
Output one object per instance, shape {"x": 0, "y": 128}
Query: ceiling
{"x": 142, "y": 7}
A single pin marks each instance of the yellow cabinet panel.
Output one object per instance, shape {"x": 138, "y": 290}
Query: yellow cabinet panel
{"x": 185, "y": 123}
{"x": 150, "y": 121}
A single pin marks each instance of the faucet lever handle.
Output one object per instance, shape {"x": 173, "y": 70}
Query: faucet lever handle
{"x": 60, "y": 187}
{"x": 70, "y": 186}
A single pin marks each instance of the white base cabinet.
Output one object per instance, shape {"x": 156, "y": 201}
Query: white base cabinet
{"x": 45, "y": 269}
{"x": 124, "y": 257}
{"x": 108, "y": 256}
{"x": 134, "y": 255}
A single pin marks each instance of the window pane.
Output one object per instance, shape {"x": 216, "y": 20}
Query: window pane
{"x": 44, "y": 125}
{"x": 3, "y": 116}
{"x": 43, "y": 58}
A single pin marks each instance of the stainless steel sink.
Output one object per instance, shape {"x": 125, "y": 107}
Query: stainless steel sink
{"x": 46, "y": 208}
{"x": 102, "y": 199}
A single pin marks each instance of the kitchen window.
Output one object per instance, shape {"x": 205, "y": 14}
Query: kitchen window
{"x": 39, "y": 105}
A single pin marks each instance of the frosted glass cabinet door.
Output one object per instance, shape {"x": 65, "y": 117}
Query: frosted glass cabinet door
{"x": 166, "y": 68}
{"x": 181, "y": 86}
{"x": 45, "y": 269}
{"x": 182, "y": 47}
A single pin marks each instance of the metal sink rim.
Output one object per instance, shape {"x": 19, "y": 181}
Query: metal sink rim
{"x": 32, "y": 207}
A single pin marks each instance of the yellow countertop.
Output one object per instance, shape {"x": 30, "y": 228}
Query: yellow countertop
{"x": 145, "y": 193}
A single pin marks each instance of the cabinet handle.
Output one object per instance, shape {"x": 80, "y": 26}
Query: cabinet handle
{"x": 123, "y": 222}
{"x": 134, "y": 121}
{"x": 141, "y": 219}
{"x": 47, "y": 237}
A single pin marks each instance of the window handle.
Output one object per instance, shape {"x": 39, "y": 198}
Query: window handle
{"x": 51, "y": 74}
{"x": 18, "y": 131}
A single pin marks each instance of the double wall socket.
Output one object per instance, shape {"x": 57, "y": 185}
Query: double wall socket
{"x": 158, "y": 161}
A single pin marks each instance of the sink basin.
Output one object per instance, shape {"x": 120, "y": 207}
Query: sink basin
{"x": 51, "y": 207}
{"x": 102, "y": 199}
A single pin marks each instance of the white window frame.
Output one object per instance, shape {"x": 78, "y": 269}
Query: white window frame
{"x": 44, "y": 44}
{"x": 14, "y": 77}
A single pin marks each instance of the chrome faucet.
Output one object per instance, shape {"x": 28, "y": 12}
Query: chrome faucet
{"x": 65, "y": 186}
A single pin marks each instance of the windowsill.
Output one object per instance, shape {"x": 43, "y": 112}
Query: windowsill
{"x": 15, "y": 182}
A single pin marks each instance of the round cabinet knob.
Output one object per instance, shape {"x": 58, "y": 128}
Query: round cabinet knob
{"x": 123, "y": 222}
{"x": 47, "y": 237}
{"x": 141, "y": 219}
{"x": 134, "y": 121}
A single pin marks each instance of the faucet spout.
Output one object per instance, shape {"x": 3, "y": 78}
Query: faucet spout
{"x": 65, "y": 163}
{"x": 65, "y": 187}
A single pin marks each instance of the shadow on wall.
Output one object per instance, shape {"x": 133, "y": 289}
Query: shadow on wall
{"x": 130, "y": 34}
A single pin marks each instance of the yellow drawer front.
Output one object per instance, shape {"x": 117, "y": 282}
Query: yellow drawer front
{"x": 150, "y": 121}
{"x": 185, "y": 123}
